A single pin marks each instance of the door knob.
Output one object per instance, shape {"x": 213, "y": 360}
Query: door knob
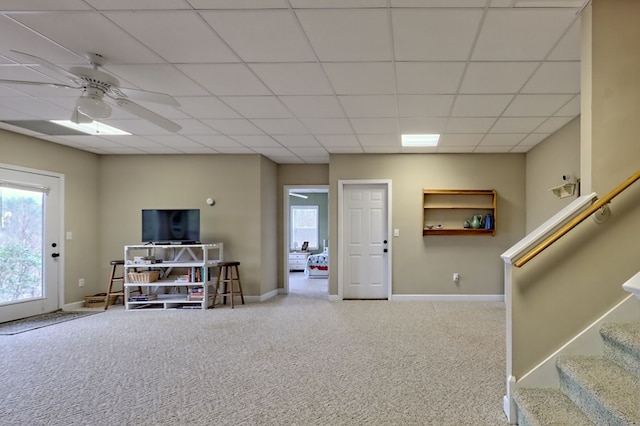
{"x": 55, "y": 254}
{"x": 385, "y": 250}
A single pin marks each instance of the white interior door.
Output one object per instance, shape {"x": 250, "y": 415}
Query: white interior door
{"x": 29, "y": 243}
{"x": 365, "y": 241}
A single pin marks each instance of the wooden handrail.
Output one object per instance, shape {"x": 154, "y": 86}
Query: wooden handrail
{"x": 576, "y": 220}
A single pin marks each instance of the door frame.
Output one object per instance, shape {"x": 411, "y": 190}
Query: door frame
{"x": 60, "y": 237}
{"x": 341, "y": 206}
{"x": 287, "y": 224}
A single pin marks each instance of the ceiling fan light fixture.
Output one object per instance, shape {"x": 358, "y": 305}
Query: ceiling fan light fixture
{"x": 93, "y": 106}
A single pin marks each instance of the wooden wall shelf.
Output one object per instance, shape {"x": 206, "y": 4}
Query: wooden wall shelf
{"x": 445, "y": 211}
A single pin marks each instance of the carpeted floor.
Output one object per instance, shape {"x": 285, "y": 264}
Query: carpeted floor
{"x": 39, "y": 321}
{"x": 292, "y": 360}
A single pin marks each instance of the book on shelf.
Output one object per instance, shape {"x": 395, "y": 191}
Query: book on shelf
{"x": 143, "y": 297}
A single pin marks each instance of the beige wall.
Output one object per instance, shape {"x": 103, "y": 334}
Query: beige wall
{"x": 129, "y": 184}
{"x": 424, "y": 265}
{"x": 269, "y": 216}
{"x": 546, "y": 163}
{"x": 80, "y": 170}
{"x": 579, "y": 278}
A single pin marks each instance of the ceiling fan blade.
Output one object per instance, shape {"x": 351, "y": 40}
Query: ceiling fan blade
{"x": 146, "y": 114}
{"x": 39, "y": 83}
{"x": 50, "y": 66}
{"x": 144, "y": 95}
{"x": 79, "y": 118}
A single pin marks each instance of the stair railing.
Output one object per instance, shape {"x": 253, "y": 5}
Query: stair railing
{"x": 601, "y": 203}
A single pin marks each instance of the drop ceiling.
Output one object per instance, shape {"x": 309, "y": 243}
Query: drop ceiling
{"x": 298, "y": 80}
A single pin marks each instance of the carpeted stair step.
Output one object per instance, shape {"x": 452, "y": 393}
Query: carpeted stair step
{"x": 622, "y": 344}
{"x": 604, "y": 391}
{"x": 543, "y": 407}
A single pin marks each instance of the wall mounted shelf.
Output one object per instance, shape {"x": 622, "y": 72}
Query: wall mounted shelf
{"x": 445, "y": 211}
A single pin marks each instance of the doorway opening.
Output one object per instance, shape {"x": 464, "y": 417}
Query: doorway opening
{"x": 306, "y": 240}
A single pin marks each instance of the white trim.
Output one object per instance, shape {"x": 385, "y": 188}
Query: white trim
{"x": 341, "y": 184}
{"x": 447, "y": 298}
{"x": 262, "y": 298}
{"x": 74, "y": 306}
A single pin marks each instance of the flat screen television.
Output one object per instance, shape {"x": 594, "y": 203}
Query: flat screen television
{"x": 171, "y": 226}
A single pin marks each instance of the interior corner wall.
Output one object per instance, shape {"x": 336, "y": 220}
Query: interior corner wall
{"x": 268, "y": 217}
{"x": 557, "y": 155}
{"x": 81, "y": 214}
{"x": 424, "y": 265}
{"x": 130, "y": 183}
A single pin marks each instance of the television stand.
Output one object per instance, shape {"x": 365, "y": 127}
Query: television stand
{"x": 182, "y": 243}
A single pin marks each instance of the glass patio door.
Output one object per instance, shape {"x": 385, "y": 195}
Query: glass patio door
{"x": 29, "y": 246}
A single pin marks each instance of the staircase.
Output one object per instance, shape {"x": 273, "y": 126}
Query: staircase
{"x": 594, "y": 390}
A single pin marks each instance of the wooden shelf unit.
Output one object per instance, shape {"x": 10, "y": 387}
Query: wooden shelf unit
{"x": 445, "y": 210}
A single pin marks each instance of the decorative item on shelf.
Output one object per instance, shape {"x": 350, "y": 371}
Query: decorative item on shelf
{"x": 488, "y": 221}
{"x": 476, "y": 222}
{"x": 466, "y": 224}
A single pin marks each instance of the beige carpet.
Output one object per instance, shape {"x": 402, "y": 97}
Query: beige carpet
{"x": 293, "y": 360}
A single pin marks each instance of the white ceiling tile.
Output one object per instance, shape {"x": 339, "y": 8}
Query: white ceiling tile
{"x": 43, "y": 4}
{"x": 496, "y": 77}
{"x": 534, "y": 139}
{"x": 480, "y": 105}
{"x": 297, "y": 140}
{"x": 338, "y": 140}
{"x": 520, "y": 149}
{"x": 553, "y": 124}
{"x": 520, "y": 35}
{"x": 422, "y": 125}
{"x": 233, "y": 126}
{"x": 193, "y": 127}
{"x": 177, "y": 36}
{"x": 345, "y": 149}
{"x": 577, "y": 4}
{"x": 569, "y": 47}
{"x": 429, "y": 77}
{"x": 424, "y": 105}
{"x": 374, "y": 149}
{"x": 35, "y": 108}
{"x": 309, "y": 151}
{"x": 215, "y": 141}
{"x": 257, "y": 141}
{"x": 501, "y": 3}
{"x": 555, "y": 77}
{"x": 369, "y": 106}
{"x": 327, "y": 126}
{"x": 272, "y": 151}
{"x": 571, "y": 108}
{"x": 235, "y": 150}
{"x": 455, "y": 149}
{"x": 99, "y": 35}
{"x": 361, "y": 78}
{"x": 225, "y": 79}
{"x": 239, "y": 4}
{"x": 294, "y": 78}
{"x": 469, "y": 125}
{"x": 288, "y": 159}
{"x": 257, "y": 106}
{"x": 138, "y": 4}
{"x": 335, "y": 4}
{"x": 157, "y": 78}
{"x": 418, "y": 34}
{"x": 340, "y": 34}
{"x": 516, "y": 125}
{"x": 178, "y": 140}
{"x": 375, "y": 125}
{"x": 492, "y": 149}
{"x": 502, "y": 139}
{"x": 368, "y": 141}
{"x": 535, "y": 105}
{"x": 438, "y": 3}
{"x": 281, "y": 126}
{"x": 261, "y": 35}
{"x": 313, "y": 106}
{"x": 457, "y": 139}
{"x": 205, "y": 107}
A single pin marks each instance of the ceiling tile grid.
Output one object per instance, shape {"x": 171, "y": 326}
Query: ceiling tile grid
{"x": 299, "y": 80}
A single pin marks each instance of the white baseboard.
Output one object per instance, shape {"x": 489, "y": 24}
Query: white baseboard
{"x": 261, "y": 298}
{"x": 448, "y": 297}
{"x": 73, "y": 306}
{"x": 334, "y": 298}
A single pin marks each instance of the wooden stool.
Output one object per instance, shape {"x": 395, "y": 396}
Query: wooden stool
{"x": 112, "y": 278}
{"x": 228, "y": 276}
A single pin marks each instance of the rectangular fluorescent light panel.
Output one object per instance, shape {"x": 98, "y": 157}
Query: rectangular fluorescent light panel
{"x": 420, "y": 140}
{"x": 94, "y": 128}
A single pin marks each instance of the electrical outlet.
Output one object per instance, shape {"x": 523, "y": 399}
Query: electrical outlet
{"x": 456, "y": 277}
{"x": 81, "y": 282}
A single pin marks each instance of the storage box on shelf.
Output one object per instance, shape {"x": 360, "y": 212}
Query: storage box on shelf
{"x": 451, "y": 212}
{"x": 176, "y": 276}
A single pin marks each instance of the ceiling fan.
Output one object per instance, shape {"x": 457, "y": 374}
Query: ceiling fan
{"x": 99, "y": 89}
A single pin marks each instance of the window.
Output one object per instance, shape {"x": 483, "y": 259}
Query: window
{"x": 304, "y": 226}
